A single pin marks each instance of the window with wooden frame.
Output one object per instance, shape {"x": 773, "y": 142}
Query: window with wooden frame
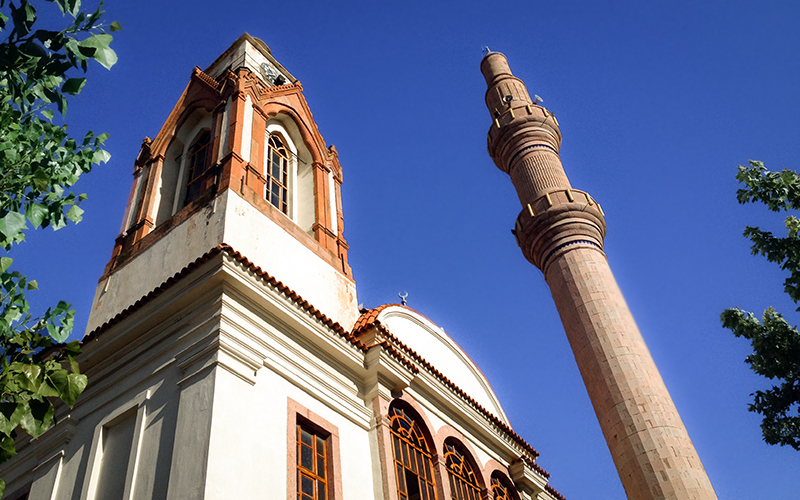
{"x": 501, "y": 488}
{"x": 312, "y": 463}
{"x": 463, "y": 481}
{"x": 277, "y": 174}
{"x": 412, "y": 457}
{"x": 196, "y": 166}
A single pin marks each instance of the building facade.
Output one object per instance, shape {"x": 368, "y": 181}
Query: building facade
{"x": 226, "y": 354}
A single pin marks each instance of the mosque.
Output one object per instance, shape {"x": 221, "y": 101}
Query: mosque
{"x": 227, "y": 356}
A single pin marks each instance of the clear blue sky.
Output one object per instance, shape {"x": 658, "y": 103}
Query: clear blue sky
{"x": 658, "y": 102}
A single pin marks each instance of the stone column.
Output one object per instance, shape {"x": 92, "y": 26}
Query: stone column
{"x": 561, "y": 231}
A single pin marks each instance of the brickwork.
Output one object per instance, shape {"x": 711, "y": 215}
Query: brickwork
{"x": 537, "y": 172}
{"x": 561, "y": 231}
{"x": 651, "y": 449}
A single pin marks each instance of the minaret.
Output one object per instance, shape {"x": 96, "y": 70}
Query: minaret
{"x": 561, "y": 231}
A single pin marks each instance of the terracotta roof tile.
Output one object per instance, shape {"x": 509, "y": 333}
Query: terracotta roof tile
{"x": 553, "y": 492}
{"x": 369, "y": 319}
{"x": 241, "y": 259}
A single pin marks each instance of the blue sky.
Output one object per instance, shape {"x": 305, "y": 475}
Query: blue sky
{"x": 658, "y": 102}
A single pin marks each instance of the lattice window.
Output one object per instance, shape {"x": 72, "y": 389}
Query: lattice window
{"x": 501, "y": 490}
{"x": 197, "y": 164}
{"x": 412, "y": 458}
{"x": 312, "y": 464}
{"x": 277, "y": 174}
{"x": 463, "y": 482}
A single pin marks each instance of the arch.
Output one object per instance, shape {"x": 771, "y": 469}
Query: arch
{"x": 413, "y": 453}
{"x": 494, "y": 470}
{"x": 502, "y": 488}
{"x": 167, "y": 190}
{"x": 463, "y": 475}
{"x": 182, "y": 113}
{"x": 197, "y": 160}
{"x": 448, "y": 433}
{"x": 300, "y": 183}
{"x": 309, "y": 138}
{"x": 276, "y": 172}
{"x": 177, "y": 169}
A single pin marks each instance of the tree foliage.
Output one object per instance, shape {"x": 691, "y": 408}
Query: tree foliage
{"x": 40, "y": 69}
{"x": 776, "y": 344}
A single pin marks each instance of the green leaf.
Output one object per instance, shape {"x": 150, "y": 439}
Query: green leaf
{"x": 3, "y": 483}
{"x": 7, "y": 451}
{"x": 37, "y": 213}
{"x": 12, "y": 224}
{"x": 72, "y": 349}
{"x": 48, "y": 113}
{"x": 76, "y": 383}
{"x": 5, "y": 263}
{"x": 40, "y": 179}
{"x": 75, "y": 214}
{"x": 101, "y": 156}
{"x": 102, "y": 52}
{"x": 73, "y": 86}
{"x": 38, "y": 417}
{"x": 115, "y": 26}
{"x": 33, "y": 285}
{"x": 10, "y": 416}
{"x": 28, "y": 376}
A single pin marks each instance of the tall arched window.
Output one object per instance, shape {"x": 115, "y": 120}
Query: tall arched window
{"x": 197, "y": 164}
{"x": 412, "y": 457}
{"x": 501, "y": 488}
{"x": 463, "y": 481}
{"x": 277, "y": 174}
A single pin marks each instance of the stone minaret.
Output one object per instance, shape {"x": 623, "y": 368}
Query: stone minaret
{"x": 561, "y": 231}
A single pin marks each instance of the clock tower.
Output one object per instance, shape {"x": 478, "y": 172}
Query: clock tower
{"x": 239, "y": 162}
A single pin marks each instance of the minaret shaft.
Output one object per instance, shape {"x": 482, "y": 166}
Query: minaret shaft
{"x": 561, "y": 231}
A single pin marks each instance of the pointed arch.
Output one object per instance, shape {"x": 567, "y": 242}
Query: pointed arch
{"x": 310, "y": 139}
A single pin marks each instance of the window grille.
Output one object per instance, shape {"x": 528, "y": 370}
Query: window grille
{"x": 463, "y": 482}
{"x": 277, "y": 174}
{"x": 500, "y": 488}
{"x": 312, "y": 464}
{"x": 412, "y": 458}
{"x": 197, "y": 166}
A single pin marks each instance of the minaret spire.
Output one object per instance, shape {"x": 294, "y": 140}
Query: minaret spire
{"x": 561, "y": 231}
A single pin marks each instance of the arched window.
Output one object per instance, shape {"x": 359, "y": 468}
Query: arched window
{"x": 412, "y": 457}
{"x": 277, "y": 174}
{"x": 463, "y": 482}
{"x": 501, "y": 488}
{"x": 196, "y": 166}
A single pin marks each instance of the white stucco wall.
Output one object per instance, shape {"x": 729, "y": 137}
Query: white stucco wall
{"x": 281, "y": 255}
{"x": 433, "y": 344}
{"x": 229, "y": 219}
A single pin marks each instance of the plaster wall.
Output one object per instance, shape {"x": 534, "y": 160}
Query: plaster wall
{"x": 437, "y": 348}
{"x": 183, "y": 244}
{"x": 280, "y": 254}
{"x": 228, "y": 219}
